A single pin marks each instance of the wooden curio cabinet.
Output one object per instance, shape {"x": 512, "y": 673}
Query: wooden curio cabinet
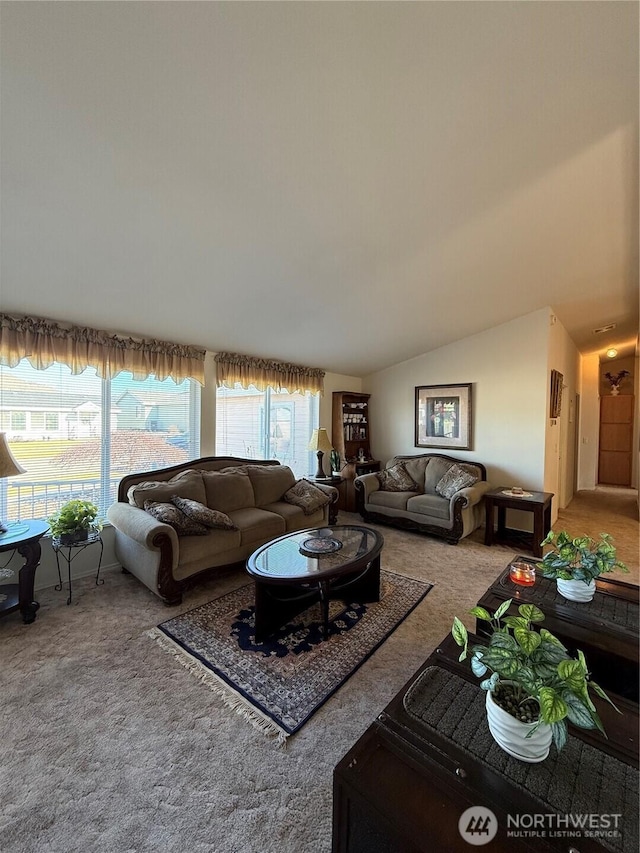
{"x": 350, "y": 436}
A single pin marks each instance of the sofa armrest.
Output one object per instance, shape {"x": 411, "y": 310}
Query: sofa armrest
{"x": 473, "y": 494}
{"x": 333, "y": 493}
{"x": 140, "y": 526}
{"x": 365, "y": 485}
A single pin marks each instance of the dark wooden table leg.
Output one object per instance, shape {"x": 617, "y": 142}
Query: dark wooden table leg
{"x": 538, "y": 535}
{"x": 488, "y": 521}
{"x": 264, "y": 625}
{"x": 26, "y": 579}
{"x": 323, "y": 589}
{"x": 364, "y": 588}
{"x": 274, "y": 608}
{"x": 502, "y": 522}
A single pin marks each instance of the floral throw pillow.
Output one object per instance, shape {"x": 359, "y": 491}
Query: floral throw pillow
{"x": 170, "y": 514}
{"x": 202, "y": 514}
{"x": 453, "y": 480}
{"x": 305, "y": 495}
{"x": 396, "y": 479}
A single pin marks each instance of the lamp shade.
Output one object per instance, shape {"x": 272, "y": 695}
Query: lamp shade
{"x": 9, "y": 465}
{"x": 320, "y": 441}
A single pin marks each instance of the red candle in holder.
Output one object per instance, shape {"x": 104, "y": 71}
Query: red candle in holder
{"x": 522, "y": 573}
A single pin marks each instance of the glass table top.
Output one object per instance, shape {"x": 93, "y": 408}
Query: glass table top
{"x": 291, "y": 556}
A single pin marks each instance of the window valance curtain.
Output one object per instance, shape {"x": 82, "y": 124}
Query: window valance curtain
{"x": 44, "y": 342}
{"x": 263, "y": 373}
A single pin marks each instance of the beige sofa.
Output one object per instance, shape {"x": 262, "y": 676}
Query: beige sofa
{"x": 421, "y": 507}
{"x": 250, "y": 492}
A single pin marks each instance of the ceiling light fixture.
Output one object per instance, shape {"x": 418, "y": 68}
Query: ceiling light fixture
{"x": 612, "y": 352}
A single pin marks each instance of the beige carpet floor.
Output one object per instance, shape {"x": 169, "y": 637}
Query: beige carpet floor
{"x": 109, "y": 746}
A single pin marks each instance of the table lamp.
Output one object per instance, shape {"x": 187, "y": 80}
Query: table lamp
{"x": 9, "y": 467}
{"x": 321, "y": 444}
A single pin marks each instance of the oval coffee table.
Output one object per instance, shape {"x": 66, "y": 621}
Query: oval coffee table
{"x": 293, "y": 571}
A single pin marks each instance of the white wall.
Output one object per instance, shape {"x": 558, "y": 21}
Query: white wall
{"x": 507, "y": 366}
{"x": 560, "y": 432}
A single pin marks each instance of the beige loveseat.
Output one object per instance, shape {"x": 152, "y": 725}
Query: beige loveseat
{"x": 249, "y": 494}
{"x": 422, "y": 500}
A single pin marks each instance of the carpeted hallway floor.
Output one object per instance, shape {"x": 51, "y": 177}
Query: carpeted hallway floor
{"x": 109, "y": 746}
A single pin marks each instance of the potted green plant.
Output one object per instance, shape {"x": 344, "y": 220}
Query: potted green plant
{"x": 73, "y": 521}
{"x": 576, "y": 563}
{"x": 533, "y": 685}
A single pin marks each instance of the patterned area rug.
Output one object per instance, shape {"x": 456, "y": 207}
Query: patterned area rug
{"x": 277, "y": 685}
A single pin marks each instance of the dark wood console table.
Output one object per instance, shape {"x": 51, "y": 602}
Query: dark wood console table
{"x": 538, "y": 503}
{"x": 606, "y": 629}
{"x": 405, "y": 785}
{"x": 23, "y": 537}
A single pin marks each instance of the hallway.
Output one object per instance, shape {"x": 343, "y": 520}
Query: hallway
{"x": 607, "y": 509}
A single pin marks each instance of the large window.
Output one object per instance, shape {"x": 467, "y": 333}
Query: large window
{"x": 267, "y": 425}
{"x": 76, "y": 436}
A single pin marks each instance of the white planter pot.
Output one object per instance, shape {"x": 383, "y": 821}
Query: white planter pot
{"x": 511, "y": 735}
{"x": 576, "y": 590}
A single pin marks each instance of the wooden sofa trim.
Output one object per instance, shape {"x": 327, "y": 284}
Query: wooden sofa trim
{"x": 451, "y": 534}
{"x": 163, "y": 474}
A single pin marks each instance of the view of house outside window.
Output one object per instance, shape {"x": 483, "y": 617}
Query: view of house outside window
{"x": 267, "y": 425}
{"x": 76, "y": 436}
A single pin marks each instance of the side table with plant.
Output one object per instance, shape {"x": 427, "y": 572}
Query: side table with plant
{"x": 576, "y": 563}
{"x": 74, "y": 521}
{"x": 533, "y": 686}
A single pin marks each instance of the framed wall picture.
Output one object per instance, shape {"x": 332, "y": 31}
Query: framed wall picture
{"x": 443, "y": 416}
{"x": 555, "y": 396}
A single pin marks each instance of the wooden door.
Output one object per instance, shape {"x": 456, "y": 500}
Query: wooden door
{"x": 616, "y": 439}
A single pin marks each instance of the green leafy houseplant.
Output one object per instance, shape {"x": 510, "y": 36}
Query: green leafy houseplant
{"x": 73, "y": 521}
{"x": 537, "y": 666}
{"x": 580, "y": 559}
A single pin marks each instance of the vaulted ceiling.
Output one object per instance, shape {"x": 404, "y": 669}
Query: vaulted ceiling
{"x": 343, "y": 185}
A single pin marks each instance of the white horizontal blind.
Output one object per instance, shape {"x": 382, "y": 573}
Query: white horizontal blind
{"x": 266, "y": 425}
{"x": 76, "y": 436}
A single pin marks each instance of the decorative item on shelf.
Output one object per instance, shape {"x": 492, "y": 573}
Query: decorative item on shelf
{"x": 321, "y": 444}
{"x": 334, "y": 456}
{"x": 9, "y": 467}
{"x": 533, "y": 680}
{"x": 73, "y": 522}
{"x": 524, "y": 574}
{"x": 576, "y": 563}
{"x": 615, "y": 379}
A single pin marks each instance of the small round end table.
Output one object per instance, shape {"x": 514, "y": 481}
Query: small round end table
{"x": 73, "y": 549}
